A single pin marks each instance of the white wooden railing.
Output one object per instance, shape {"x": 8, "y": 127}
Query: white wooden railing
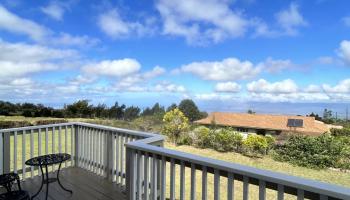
{"x": 138, "y": 162}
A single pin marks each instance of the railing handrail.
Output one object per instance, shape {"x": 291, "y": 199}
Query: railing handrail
{"x": 252, "y": 172}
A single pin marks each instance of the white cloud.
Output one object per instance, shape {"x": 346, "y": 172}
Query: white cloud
{"x": 346, "y": 21}
{"x": 12, "y": 23}
{"x": 66, "y": 39}
{"x": 133, "y": 81}
{"x": 313, "y": 89}
{"x": 290, "y": 19}
{"x": 214, "y": 96}
{"x": 113, "y": 68}
{"x": 20, "y": 59}
{"x": 168, "y": 87}
{"x": 275, "y": 66}
{"x": 54, "y": 10}
{"x": 225, "y": 70}
{"x": 344, "y": 51}
{"x": 227, "y": 87}
{"x": 201, "y": 21}
{"x": 343, "y": 87}
{"x": 263, "y": 86}
{"x": 22, "y": 52}
{"x": 114, "y": 26}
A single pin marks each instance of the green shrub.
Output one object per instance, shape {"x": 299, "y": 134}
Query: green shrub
{"x": 316, "y": 152}
{"x": 202, "y": 137}
{"x": 227, "y": 140}
{"x": 270, "y": 142}
{"x": 255, "y": 145}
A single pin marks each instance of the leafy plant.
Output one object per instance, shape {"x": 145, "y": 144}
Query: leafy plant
{"x": 175, "y": 124}
{"x": 255, "y": 145}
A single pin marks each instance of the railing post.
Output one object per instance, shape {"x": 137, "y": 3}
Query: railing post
{"x": 130, "y": 174}
{"x": 76, "y": 145}
{"x": 6, "y": 152}
{"x": 109, "y": 168}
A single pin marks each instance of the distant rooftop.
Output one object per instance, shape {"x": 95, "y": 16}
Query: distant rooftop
{"x": 309, "y": 125}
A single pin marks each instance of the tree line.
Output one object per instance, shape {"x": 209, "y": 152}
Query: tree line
{"x": 83, "y": 109}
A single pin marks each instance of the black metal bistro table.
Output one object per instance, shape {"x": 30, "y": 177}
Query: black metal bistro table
{"x": 44, "y": 161}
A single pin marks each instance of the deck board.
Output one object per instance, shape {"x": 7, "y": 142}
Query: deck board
{"x": 85, "y": 185}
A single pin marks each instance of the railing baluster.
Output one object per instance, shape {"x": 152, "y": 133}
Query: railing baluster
{"x": 46, "y": 141}
{"x": 117, "y": 156}
{"x": 122, "y": 161}
{"x": 39, "y": 146}
{"x": 280, "y": 193}
{"x": 245, "y": 188}
{"x": 146, "y": 179}
{"x": 24, "y": 155}
{"x": 154, "y": 176}
{"x": 93, "y": 150}
{"x": 72, "y": 142}
{"x": 14, "y": 152}
{"x": 53, "y": 144}
{"x": 230, "y": 186}
{"x": 59, "y": 139}
{"x": 89, "y": 151}
{"x": 113, "y": 157}
{"x": 100, "y": 147}
{"x": 262, "y": 190}
{"x": 172, "y": 179}
{"x": 163, "y": 179}
{"x": 139, "y": 175}
{"x": 216, "y": 184}
{"x": 204, "y": 183}
{"x": 182, "y": 180}
{"x": 66, "y": 144}
{"x": 193, "y": 181}
{"x": 31, "y": 152}
{"x": 300, "y": 194}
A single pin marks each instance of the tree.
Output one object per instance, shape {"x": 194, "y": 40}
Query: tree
{"x": 131, "y": 113}
{"x": 250, "y": 111}
{"x": 175, "y": 124}
{"x": 327, "y": 114}
{"x": 189, "y": 108}
{"x": 171, "y": 107}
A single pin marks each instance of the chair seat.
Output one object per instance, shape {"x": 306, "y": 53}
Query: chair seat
{"x": 15, "y": 195}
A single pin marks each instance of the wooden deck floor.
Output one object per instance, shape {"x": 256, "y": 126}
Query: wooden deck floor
{"x": 85, "y": 186}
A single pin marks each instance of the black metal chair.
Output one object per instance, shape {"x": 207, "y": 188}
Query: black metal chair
{"x": 6, "y": 181}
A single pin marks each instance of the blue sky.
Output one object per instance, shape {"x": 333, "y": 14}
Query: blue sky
{"x": 217, "y": 52}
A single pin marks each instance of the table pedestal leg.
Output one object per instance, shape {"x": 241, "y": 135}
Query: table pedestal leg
{"x": 42, "y": 182}
{"x": 59, "y": 182}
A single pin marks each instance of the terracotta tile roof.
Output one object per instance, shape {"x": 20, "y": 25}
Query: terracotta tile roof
{"x": 265, "y": 121}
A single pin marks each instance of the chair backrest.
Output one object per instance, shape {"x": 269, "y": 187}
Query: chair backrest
{"x": 7, "y": 180}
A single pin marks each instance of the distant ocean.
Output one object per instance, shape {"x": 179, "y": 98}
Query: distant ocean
{"x": 338, "y": 109}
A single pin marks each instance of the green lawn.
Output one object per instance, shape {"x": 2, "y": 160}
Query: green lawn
{"x": 36, "y": 141}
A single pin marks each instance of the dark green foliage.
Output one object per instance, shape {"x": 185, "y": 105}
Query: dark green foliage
{"x": 316, "y": 152}
{"x": 189, "y": 108}
{"x": 171, "y": 107}
{"x": 340, "y": 132}
{"x": 131, "y": 113}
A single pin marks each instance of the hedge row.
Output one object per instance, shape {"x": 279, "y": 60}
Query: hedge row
{"x": 228, "y": 140}
{"x": 16, "y": 124}
{"x": 324, "y": 151}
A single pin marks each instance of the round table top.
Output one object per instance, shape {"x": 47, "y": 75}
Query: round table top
{"x": 49, "y": 159}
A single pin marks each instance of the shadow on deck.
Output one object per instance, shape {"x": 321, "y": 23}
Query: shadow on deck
{"x": 85, "y": 185}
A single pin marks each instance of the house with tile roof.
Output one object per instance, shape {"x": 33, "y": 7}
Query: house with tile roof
{"x": 266, "y": 124}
